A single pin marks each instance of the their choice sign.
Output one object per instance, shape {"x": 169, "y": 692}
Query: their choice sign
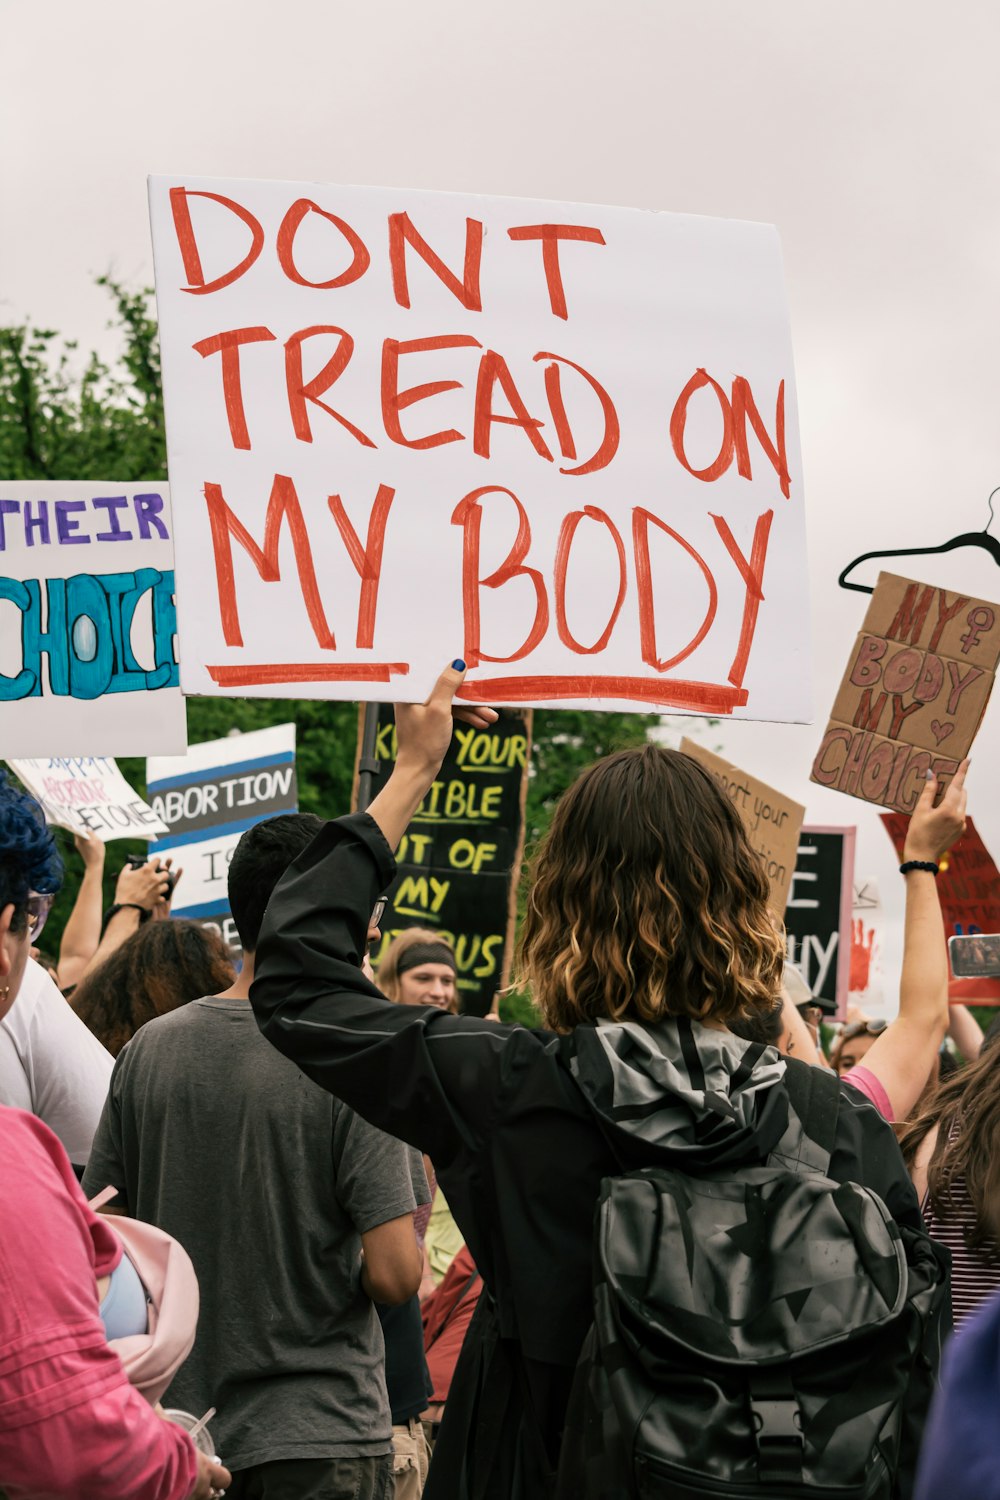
{"x": 208, "y": 799}
{"x": 771, "y": 819}
{"x": 87, "y": 653}
{"x": 916, "y": 687}
{"x": 818, "y": 914}
{"x": 88, "y": 794}
{"x": 559, "y": 440}
{"x": 460, "y": 858}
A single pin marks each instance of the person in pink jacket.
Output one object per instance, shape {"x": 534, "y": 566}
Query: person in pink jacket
{"x": 71, "y": 1425}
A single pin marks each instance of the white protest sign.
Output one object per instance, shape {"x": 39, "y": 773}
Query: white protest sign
{"x": 207, "y": 799}
{"x": 88, "y": 794}
{"x": 559, "y": 441}
{"x": 87, "y": 655}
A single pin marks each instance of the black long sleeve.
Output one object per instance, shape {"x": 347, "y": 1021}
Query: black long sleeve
{"x": 435, "y": 1080}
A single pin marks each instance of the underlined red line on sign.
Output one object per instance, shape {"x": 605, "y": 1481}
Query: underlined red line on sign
{"x": 703, "y": 697}
{"x": 288, "y": 671}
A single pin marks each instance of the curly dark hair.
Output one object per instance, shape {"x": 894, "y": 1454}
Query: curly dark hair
{"x": 29, "y": 859}
{"x": 647, "y": 900}
{"x": 163, "y": 965}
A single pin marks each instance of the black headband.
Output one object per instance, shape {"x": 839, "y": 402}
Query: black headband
{"x": 425, "y": 953}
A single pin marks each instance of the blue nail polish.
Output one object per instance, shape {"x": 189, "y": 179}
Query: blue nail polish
{"x": 458, "y": 665}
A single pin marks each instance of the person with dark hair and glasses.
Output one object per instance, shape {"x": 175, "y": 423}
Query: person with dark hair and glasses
{"x": 71, "y": 1425}
{"x": 295, "y": 1212}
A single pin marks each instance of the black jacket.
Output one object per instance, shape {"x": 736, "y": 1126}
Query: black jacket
{"x": 521, "y": 1126}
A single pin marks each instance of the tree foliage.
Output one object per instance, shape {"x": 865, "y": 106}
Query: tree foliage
{"x": 66, "y": 417}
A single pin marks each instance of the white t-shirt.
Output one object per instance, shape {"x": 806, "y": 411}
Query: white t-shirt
{"x": 52, "y": 1065}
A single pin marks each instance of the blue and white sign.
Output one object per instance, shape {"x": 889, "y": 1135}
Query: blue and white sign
{"x": 88, "y": 654}
{"x": 208, "y": 798}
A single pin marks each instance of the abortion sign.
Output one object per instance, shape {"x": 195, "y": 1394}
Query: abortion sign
{"x": 556, "y": 440}
{"x": 87, "y": 653}
{"x": 208, "y": 798}
{"x": 88, "y": 794}
{"x": 818, "y": 914}
{"x": 772, "y": 820}
{"x": 914, "y": 693}
{"x": 460, "y": 859}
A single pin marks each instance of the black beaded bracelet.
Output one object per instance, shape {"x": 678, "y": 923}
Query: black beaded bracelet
{"x": 918, "y": 864}
{"x": 126, "y": 906}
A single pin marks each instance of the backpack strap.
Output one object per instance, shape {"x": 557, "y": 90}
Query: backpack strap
{"x": 814, "y": 1094}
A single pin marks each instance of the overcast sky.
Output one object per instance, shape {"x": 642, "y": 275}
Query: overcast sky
{"x": 868, "y": 133}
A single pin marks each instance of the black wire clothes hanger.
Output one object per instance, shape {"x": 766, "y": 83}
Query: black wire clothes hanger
{"x": 981, "y": 539}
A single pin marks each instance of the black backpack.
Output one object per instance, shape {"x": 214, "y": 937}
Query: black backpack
{"x": 759, "y": 1332}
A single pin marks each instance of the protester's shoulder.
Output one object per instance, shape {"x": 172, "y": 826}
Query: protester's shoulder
{"x": 162, "y": 1043}
{"x": 22, "y": 1132}
{"x": 867, "y": 1152}
{"x": 30, "y": 1153}
{"x": 858, "y": 1105}
{"x": 188, "y": 1020}
{"x": 365, "y": 1144}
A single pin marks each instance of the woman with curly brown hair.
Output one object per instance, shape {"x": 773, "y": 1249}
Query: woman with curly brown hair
{"x": 647, "y": 931}
{"x": 163, "y": 965}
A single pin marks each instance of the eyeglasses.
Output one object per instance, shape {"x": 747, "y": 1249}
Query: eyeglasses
{"x": 378, "y": 911}
{"x": 862, "y": 1028}
{"x": 39, "y": 906}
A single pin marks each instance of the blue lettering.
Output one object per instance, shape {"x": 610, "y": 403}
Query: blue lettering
{"x": 164, "y": 631}
{"x": 86, "y": 634}
{"x": 148, "y": 509}
{"x": 39, "y": 523}
{"x": 13, "y": 590}
{"x": 66, "y": 524}
{"x": 113, "y": 504}
{"x": 7, "y": 508}
{"x": 51, "y": 642}
{"x": 89, "y": 669}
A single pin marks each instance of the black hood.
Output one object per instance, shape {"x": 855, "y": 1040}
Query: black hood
{"x": 679, "y": 1093}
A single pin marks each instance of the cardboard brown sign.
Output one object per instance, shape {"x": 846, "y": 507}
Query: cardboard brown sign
{"x": 914, "y": 693}
{"x": 771, "y": 819}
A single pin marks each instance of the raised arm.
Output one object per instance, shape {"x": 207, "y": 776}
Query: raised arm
{"x": 139, "y": 892}
{"x": 965, "y": 1031}
{"x": 82, "y": 932}
{"x": 431, "y": 1079}
{"x": 902, "y": 1057}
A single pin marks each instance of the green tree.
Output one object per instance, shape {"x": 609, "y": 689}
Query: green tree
{"x": 58, "y": 421}
{"x": 66, "y": 417}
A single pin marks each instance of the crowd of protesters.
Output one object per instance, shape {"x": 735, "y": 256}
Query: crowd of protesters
{"x": 281, "y": 1228}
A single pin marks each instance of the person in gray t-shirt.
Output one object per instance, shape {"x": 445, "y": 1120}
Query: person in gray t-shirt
{"x": 274, "y": 1188}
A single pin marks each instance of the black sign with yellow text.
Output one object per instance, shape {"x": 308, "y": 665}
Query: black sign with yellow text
{"x": 460, "y": 858}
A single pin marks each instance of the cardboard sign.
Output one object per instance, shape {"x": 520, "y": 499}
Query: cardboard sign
{"x": 88, "y": 794}
{"x": 557, "y": 440}
{"x": 818, "y": 914}
{"x": 969, "y": 889}
{"x": 87, "y": 654}
{"x": 914, "y": 693}
{"x": 208, "y": 799}
{"x": 460, "y": 859}
{"x": 772, "y": 820}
